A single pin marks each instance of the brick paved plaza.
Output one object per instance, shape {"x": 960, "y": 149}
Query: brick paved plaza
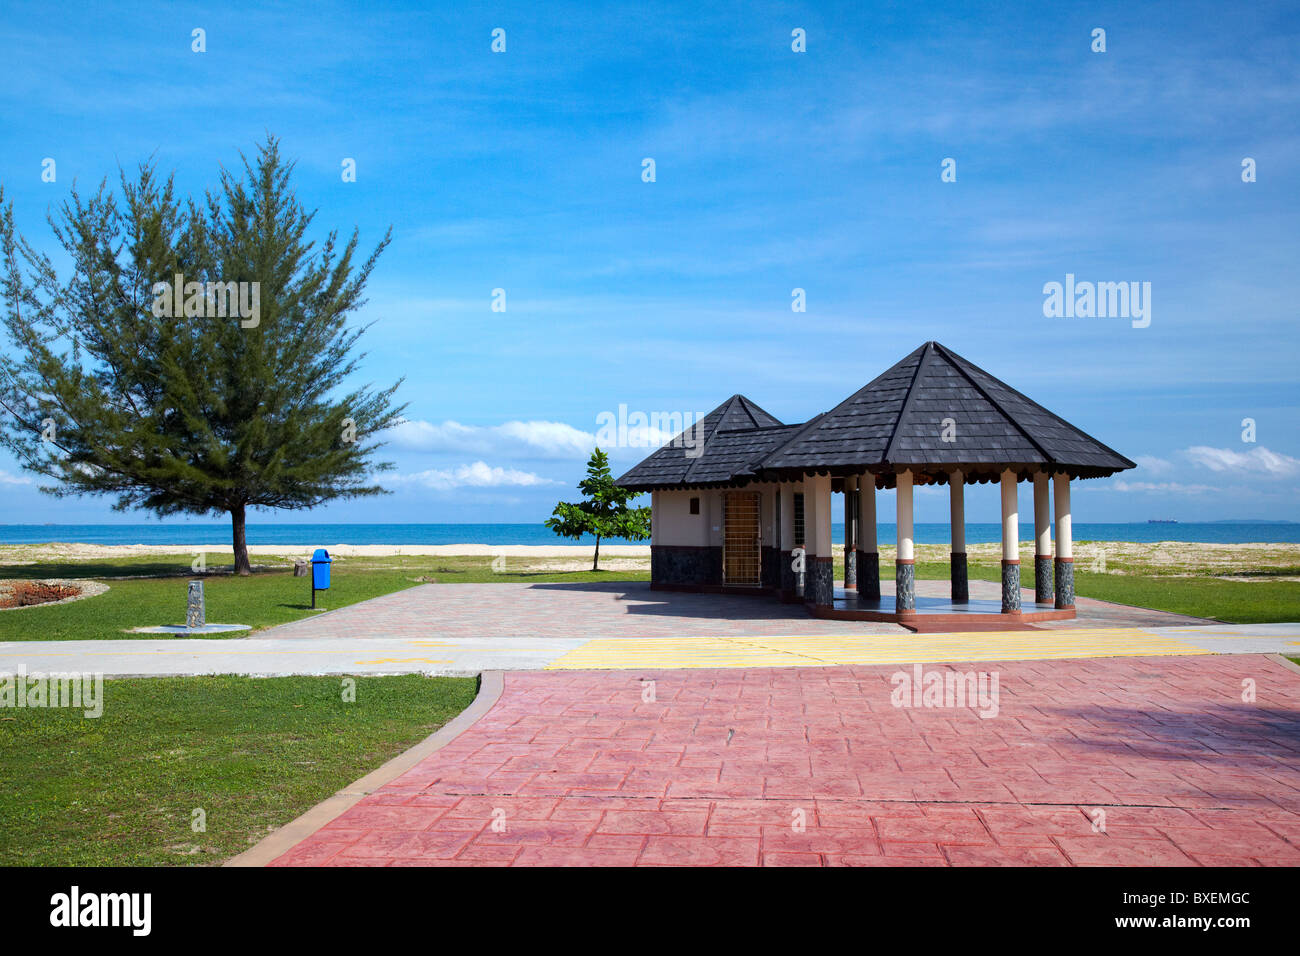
{"x": 1130, "y": 761}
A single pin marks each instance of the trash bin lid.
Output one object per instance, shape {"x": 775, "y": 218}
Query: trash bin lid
{"x": 320, "y": 556}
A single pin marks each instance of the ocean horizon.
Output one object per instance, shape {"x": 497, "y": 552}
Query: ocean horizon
{"x": 324, "y": 534}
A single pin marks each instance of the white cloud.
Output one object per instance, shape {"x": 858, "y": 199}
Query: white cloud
{"x": 8, "y": 479}
{"x": 536, "y": 439}
{"x": 1162, "y": 487}
{"x": 477, "y": 475}
{"x": 541, "y": 439}
{"x": 1150, "y": 464}
{"x": 1256, "y": 461}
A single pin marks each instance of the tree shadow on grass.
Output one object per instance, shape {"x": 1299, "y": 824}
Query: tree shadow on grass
{"x": 105, "y": 570}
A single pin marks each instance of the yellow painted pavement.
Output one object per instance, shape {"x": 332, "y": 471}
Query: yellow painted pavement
{"x": 822, "y": 650}
{"x": 1237, "y": 635}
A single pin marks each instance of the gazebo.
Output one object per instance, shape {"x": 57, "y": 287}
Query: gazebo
{"x": 742, "y": 503}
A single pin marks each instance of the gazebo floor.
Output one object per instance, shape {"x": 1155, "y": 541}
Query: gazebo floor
{"x": 931, "y": 612}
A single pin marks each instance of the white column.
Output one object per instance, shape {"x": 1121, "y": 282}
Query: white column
{"x": 1010, "y": 545}
{"x": 1043, "y": 570}
{"x": 820, "y": 586}
{"x": 957, "y": 511}
{"x": 868, "y": 568}
{"x": 867, "y": 514}
{"x": 1064, "y": 544}
{"x": 819, "y": 487}
{"x": 906, "y": 549}
{"x": 1042, "y": 517}
{"x": 904, "y": 570}
{"x": 958, "y": 578}
{"x": 1010, "y": 518}
{"x": 850, "y": 533}
{"x": 809, "y": 517}
{"x": 850, "y": 516}
{"x": 654, "y": 518}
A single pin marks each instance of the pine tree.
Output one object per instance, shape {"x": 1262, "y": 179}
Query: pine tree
{"x": 231, "y": 399}
{"x": 604, "y": 512}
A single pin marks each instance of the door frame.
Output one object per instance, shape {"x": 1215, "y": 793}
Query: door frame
{"x": 757, "y": 552}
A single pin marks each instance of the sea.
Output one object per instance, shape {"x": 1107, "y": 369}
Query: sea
{"x": 187, "y": 533}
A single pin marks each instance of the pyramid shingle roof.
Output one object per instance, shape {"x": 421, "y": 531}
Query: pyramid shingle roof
{"x": 931, "y": 413}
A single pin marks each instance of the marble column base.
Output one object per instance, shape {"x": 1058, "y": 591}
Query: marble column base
{"x": 1043, "y": 589}
{"x": 869, "y": 575}
{"x": 904, "y": 586}
{"x": 850, "y": 568}
{"x": 960, "y": 582}
{"x": 1010, "y": 587}
{"x": 1064, "y": 583}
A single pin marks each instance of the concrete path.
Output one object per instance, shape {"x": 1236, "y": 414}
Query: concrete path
{"x": 472, "y": 655}
{"x": 1138, "y": 761}
{"x": 469, "y": 628}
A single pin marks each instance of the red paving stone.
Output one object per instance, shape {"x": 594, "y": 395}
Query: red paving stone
{"x": 815, "y": 767}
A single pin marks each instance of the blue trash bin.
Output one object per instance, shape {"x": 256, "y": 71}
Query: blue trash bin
{"x": 320, "y": 573}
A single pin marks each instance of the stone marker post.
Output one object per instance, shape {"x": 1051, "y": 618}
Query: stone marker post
{"x": 194, "y": 611}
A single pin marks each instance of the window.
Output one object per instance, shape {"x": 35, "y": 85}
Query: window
{"x": 798, "y": 519}
{"x": 695, "y": 506}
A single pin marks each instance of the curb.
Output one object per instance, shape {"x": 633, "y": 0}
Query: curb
{"x": 1288, "y": 664}
{"x": 491, "y": 684}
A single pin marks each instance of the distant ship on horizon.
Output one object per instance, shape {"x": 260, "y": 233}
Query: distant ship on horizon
{"x": 1162, "y": 521}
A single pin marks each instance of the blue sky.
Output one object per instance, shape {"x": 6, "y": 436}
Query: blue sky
{"x": 775, "y": 170}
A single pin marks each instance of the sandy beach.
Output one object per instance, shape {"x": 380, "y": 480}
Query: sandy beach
{"x": 23, "y": 553}
{"x": 1250, "y": 561}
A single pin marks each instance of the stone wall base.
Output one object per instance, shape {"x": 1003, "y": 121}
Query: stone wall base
{"x": 1043, "y": 589}
{"x": 681, "y": 564}
{"x": 1065, "y": 582}
{"x": 904, "y": 586}
{"x": 819, "y": 584}
{"x": 1010, "y": 587}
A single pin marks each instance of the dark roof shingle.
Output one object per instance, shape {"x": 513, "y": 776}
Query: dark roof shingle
{"x": 932, "y": 412}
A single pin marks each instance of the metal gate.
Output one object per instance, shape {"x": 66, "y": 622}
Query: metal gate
{"x": 741, "y": 561}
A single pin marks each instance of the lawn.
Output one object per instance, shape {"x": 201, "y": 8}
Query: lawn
{"x": 151, "y": 589}
{"x": 251, "y": 753}
{"x": 269, "y": 597}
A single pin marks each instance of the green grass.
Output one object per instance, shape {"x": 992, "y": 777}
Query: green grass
{"x": 252, "y": 753}
{"x": 269, "y": 597}
{"x": 151, "y": 590}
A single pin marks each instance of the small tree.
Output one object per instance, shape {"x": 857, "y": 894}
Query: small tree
{"x": 604, "y": 513}
{"x": 233, "y": 398}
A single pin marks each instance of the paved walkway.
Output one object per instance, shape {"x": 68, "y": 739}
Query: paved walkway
{"x": 1131, "y": 761}
{"x": 468, "y": 628}
{"x": 627, "y": 609}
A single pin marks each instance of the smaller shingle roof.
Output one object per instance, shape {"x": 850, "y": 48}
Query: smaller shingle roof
{"x": 716, "y": 449}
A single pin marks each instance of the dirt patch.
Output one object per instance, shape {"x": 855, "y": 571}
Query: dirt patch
{"x": 15, "y": 595}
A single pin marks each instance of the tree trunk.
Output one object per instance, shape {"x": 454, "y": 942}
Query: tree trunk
{"x": 242, "y": 567}
{"x": 595, "y": 560}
